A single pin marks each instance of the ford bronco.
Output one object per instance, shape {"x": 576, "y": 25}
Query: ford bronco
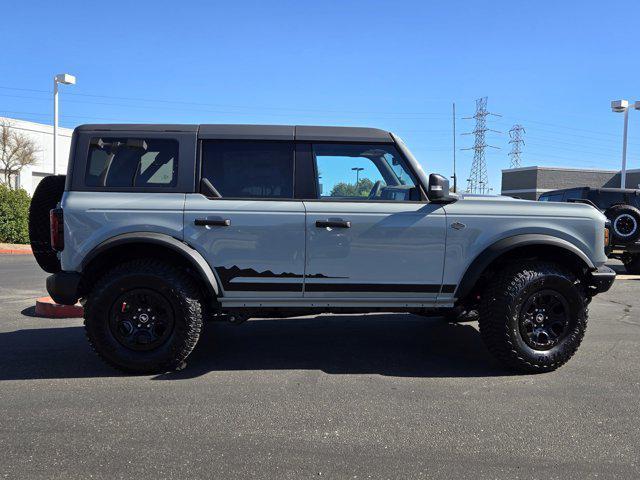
{"x": 158, "y": 227}
{"x": 621, "y": 207}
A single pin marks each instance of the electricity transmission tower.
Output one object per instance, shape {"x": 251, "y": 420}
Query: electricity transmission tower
{"x": 478, "y": 181}
{"x": 516, "y": 142}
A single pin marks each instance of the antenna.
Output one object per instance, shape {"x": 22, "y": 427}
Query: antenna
{"x": 478, "y": 181}
{"x": 516, "y": 142}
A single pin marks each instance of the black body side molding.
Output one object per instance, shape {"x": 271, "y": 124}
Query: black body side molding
{"x": 482, "y": 261}
{"x": 191, "y": 255}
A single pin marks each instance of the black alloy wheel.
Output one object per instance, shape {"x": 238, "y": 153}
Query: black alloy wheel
{"x": 544, "y": 319}
{"x": 141, "y": 319}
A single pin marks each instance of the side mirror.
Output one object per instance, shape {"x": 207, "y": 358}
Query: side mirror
{"x": 439, "y": 189}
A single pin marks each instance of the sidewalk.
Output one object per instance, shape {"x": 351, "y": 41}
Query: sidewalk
{"x": 14, "y": 249}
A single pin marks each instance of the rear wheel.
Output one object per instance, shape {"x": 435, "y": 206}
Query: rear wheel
{"x": 533, "y": 316}
{"x": 144, "y": 316}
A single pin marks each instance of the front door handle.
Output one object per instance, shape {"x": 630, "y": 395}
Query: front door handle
{"x": 212, "y": 223}
{"x": 333, "y": 224}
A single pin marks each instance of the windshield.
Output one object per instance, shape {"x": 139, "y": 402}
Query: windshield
{"x": 416, "y": 164}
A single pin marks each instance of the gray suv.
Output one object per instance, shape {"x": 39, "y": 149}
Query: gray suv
{"x": 156, "y": 228}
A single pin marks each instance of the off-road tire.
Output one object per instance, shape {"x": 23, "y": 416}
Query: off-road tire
{"x": 500, "y": 310}
{"x": 174, "y": 284}
{"x": 631, "y": 215}
{"x": 632, "y": 263}
{"x": 46, "y": 197}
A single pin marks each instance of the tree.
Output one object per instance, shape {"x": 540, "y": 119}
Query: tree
{"x": 16, "y": 152}
{"x": 362, "y": 189}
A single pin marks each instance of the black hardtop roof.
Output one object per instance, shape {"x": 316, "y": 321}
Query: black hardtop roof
{"x": 254, "y": 132}
{"x": 594, "y": 189}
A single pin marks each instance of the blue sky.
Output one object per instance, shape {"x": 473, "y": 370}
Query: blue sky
{"x": 552, "y": 66}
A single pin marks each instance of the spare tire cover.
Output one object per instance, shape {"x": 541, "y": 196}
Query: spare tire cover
{"x": 46, "y": 197}
{"x": 625, "y": 223}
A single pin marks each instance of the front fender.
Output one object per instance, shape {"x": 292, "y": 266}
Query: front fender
{"x": 495, "y": 250}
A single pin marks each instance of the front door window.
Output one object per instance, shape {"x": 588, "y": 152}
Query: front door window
{"x": 362, "y": 172}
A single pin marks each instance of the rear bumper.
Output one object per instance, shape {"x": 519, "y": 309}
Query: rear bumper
{"x": 63, "y": 287}
{"x": 601, "y": 279}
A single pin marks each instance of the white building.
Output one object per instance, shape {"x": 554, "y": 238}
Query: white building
{"x": 42, "y": 135}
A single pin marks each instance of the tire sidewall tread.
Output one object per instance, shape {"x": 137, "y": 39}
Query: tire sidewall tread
{"x": 180, "y": 290}
{"x": 500, "y": 308}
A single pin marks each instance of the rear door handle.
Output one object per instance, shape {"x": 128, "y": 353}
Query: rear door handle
{"x": 212, "y": 223}
{"x": 333, "y": 224}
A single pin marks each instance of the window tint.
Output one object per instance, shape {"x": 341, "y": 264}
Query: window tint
{"x": 573, "y": 193}
{"x": 604, "y": 200}
{"x": 251, "y": 169}
{"x": 132, "y": 162}
{"x": 367, "y": 172}
{"x": 556, "y": 197}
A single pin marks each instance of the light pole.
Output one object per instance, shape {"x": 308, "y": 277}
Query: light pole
{"x": 622, "y": 106}
{"x": 65, "y": 79}
{"x": 357, "y": 170}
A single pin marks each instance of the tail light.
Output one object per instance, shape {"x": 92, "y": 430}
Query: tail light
{"x": 56, "y": 221}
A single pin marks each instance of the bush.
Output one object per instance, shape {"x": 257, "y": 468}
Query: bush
{"x": 14, "y": 215}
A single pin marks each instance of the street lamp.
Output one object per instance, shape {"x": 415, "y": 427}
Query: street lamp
{"x": 622, "y": 106}
{"x": 65, "y": 79}
{"x": 357, "y": 170}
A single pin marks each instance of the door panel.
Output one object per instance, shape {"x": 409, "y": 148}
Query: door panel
{"x": 259, "y": 252}
{"x": 374, "y": 249}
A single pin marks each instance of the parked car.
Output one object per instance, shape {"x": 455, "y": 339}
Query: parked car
{"x": 621, "y": 207}
{"x": 157, "y": 227}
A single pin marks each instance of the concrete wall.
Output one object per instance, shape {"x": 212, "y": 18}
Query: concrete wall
{"x": 530, "y": 182}
{"x": 42, "y": 135}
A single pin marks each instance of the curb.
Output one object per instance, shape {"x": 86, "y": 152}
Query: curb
{"x": 46, "y": 307}
{"x": 11, "y": 251}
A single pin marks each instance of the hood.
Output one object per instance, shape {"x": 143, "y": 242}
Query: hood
{"x": 503, "y": 205}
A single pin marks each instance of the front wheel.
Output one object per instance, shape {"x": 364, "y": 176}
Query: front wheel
{"x": 533, "y": 316}
{"x": 144, "y": 316}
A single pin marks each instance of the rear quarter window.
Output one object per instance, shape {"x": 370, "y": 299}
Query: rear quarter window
{"x": 604, "y": 200}
{"x": 132, "y": 162}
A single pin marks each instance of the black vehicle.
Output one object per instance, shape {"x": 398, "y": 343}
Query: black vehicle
{"x": 622, "y": 208}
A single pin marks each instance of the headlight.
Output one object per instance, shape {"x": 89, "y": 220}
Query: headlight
{"x": 606, "y": 236}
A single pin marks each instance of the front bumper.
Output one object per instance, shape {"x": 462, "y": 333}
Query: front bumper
{"x": 601, "y": 279}
{"x": 63, "y": 287}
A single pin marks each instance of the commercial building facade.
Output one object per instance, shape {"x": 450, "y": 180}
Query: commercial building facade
{"x": 42, "y": 136}
{"x": 531, "y": 182}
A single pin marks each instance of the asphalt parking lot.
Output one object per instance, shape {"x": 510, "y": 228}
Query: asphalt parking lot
{"x": 375, "y": 396}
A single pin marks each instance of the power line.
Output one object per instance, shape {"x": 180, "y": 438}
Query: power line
{"x": 516, "y": 142}
{"x": 478, "y": 181}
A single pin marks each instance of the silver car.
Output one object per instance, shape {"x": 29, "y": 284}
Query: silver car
{"x": 158, "y": 227}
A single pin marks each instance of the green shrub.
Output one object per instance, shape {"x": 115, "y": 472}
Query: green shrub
{"x": 14, "y": 215}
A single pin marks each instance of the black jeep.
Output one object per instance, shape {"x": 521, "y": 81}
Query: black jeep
{"x": 622, "y": 208}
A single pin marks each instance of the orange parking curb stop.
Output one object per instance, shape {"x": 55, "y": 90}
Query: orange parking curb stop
{"x": 46, "y": 307}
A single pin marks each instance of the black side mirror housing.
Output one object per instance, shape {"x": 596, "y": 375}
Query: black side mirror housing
{"x": 438, "y": 191}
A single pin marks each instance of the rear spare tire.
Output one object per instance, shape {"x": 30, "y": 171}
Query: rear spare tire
{"x": 47, "y": 195}
{"x": 625, "y": 223}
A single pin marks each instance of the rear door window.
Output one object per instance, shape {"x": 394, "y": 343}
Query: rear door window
{"x": 573, "y": 193}
{"x": 555, "y": 197}
{"x": 132, "y": 162}
{"x": 249, "y": 169}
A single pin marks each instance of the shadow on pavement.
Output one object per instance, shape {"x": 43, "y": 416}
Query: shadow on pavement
{"x": 386, "y": 344}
